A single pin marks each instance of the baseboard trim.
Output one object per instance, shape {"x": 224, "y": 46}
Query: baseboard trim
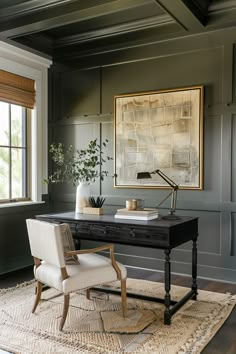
{"x": 16, "y": 271}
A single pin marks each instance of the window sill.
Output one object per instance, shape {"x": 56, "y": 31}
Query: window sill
{"x": 17, "y": 204}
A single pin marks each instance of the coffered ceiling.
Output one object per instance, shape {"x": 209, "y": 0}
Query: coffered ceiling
{"x": 66, "y": 29}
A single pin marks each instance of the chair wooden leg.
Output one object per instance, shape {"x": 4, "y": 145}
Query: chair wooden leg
{"x": 38, "y": 295}
{"x": 65, "y": 310}
{"x": 124, "y": 297}
{"x": 88, "y": 294}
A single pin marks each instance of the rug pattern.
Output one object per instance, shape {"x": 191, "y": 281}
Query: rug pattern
{"x": 86, "y": 332}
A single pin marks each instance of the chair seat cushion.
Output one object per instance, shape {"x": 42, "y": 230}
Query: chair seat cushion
{"x": 93, "y": 269}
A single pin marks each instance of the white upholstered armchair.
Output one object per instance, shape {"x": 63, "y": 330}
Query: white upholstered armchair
{"x": 70, "y": 270}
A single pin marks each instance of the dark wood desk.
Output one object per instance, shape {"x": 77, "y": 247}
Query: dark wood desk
{"x": 159, "y": 234}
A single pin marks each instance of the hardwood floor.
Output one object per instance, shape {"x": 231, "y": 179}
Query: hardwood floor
{"x": 224, "y": 341}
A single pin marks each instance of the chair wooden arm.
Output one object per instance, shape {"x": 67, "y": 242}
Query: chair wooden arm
{"x": 98, "y": 249}
{"x": 89, "y": 250}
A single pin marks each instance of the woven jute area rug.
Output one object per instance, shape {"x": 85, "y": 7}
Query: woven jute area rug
{"x": 96, "y": 326}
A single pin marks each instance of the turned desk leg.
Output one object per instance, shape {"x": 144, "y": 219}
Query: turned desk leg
{"x": 167, "y": 313}
{"x": 194, "y": 268}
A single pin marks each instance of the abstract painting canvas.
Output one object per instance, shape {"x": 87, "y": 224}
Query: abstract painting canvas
{"x": 159, "y": 130}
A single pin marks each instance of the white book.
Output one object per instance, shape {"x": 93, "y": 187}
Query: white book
{"x": 141, "y": 212}
{"x": 136, "y": 217}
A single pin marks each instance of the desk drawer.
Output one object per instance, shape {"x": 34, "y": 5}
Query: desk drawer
{"x": 122, "y": 234}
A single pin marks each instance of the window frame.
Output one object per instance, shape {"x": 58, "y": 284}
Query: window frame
{"x": 21, "y": 62}
{"x": 26, "y": 170}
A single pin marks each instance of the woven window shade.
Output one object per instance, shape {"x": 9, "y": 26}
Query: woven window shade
{"x": 17, "y": 89}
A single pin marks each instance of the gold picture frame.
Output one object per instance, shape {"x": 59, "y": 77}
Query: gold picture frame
{"x": 159, "y": 130}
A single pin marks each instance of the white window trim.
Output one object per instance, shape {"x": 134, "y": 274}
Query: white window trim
{"x": 27, "y": 64}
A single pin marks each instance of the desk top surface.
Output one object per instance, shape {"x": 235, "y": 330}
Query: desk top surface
{"x": 109, "y": 218}
{"x": 157, "y": 233}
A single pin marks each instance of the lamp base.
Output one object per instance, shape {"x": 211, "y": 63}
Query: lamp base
{"x": 171, "y": 216}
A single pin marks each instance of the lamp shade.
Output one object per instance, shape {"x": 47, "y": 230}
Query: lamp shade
{"x": 143, "y": 175}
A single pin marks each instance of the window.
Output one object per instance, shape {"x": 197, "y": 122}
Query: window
{"x": 14, "y": 167}
{"x": 17, "y": 98}
{"x": 24, "y": 83}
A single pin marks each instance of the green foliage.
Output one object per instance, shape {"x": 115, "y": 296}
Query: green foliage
{"x": 96, "y": 203}
{"x": 15, "y": 134}
{"x": 84, "y": 165}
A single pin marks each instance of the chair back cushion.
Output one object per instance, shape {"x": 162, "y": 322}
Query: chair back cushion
{"x": 68, "y": 243}
{"x": 46, "y": 241}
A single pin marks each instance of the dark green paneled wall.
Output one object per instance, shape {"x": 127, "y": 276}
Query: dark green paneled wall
{"x": 84, "y": 109}
{"x": 179, "y": 70}
{"x": 86, "y": 85}
{"x": 14, "y": 245}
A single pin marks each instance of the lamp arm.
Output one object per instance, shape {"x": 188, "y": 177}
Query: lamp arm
{"x": 165, "y": 198}
{"x": 166, "y": 178}
{"x": 173, "y": 192}
{"x": 173, "y": 200}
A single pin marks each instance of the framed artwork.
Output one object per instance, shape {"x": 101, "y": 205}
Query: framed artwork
{"x": 159, "y": 130}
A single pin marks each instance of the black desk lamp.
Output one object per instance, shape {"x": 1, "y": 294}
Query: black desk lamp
{"x": 173, "y": 193}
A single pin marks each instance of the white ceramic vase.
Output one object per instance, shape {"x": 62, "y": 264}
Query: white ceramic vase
{"x": 82, "y": 195}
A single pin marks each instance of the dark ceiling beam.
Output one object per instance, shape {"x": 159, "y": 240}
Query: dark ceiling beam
{"x": 88, "y": 50}
{"x": 31, "y": 7}
{"x": 30, "y": 26}
{"x": 222, "y": 13}
{"x": 150, "y": 22}
{"x": 44, "y": 12}
{"x": 186, "y": 17}
{"x": 199, "y": 8}
{"x": 38, "y": 41}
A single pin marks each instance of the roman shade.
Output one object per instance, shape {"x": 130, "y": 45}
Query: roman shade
{"x": 17, "y": 89}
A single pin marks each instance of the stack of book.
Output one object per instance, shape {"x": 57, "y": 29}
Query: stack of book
{"x": 139, "y": 214}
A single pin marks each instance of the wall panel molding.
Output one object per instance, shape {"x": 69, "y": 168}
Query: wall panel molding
{"x": 206, "y": 59}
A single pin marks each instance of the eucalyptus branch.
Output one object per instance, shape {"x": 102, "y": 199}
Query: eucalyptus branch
{"x": 83, "y": 165}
